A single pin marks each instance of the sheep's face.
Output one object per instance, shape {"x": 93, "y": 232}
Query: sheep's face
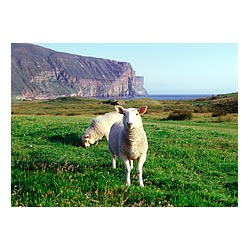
{"x": 87, "y": 141}
{"x": 131, "y": 116}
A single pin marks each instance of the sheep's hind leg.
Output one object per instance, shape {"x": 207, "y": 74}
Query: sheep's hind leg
{"x": 114, "y": 161}
{"x": 131, "y": 164}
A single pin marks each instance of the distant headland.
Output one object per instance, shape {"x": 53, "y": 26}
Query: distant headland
{"x": 41, "y": 73}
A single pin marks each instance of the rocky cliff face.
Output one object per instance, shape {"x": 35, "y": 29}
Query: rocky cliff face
{"x": 37, "y": 73}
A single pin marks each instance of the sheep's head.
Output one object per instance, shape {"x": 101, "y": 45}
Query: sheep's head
{"x": 131, "y": 116}
{"x": 87, "y": 140}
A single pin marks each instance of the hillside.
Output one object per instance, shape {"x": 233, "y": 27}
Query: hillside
{"x": 41, "y": 73}
{"x": 220, "y": 104}
{"x": 71, "y": 106}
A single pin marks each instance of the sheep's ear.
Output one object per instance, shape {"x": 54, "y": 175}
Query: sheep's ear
{"x": 142, "y": 110}
{"x": 119, "y": 109}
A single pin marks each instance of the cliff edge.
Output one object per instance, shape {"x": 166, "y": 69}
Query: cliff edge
{"x": 41, "y": 73}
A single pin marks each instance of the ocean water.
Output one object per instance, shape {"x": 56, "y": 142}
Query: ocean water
{"x": 161, "y": 97}
{"x": 170, "y": 97}
{"x": 177, "y": 97}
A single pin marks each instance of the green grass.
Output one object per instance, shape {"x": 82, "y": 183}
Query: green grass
{"x": 189, "y": 163}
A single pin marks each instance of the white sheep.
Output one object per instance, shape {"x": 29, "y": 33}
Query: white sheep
{"x": 100, "y": 127}
{"x": 128, "y": 140}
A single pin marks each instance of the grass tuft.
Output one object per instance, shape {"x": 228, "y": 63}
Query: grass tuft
{"x": 180, "y": 115}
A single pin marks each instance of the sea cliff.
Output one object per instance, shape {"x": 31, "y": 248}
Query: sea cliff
{"x": 41, "y": 73}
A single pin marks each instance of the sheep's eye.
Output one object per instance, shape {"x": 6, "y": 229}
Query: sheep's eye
{"x": 137, "y": 113}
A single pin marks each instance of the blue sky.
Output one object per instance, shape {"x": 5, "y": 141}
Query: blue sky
{"x": 170, "y": 68}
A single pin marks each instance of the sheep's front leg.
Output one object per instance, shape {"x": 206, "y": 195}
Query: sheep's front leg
{"x": 127, "y": 171}
{"x": 140, "y": 163}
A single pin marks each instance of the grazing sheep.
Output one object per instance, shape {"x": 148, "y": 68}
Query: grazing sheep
{"x": 99, "y": 127}
{"x": 128, "y": 140}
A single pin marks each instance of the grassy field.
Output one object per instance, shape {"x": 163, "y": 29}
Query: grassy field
{"x": 190, "y": 163}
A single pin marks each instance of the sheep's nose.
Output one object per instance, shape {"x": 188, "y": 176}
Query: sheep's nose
{"x": 129, "y": 124}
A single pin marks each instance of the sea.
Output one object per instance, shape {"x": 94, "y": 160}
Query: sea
{"x": 174, "y": 97}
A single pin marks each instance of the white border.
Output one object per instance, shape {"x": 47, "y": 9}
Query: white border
{"x": 124, "y": 21}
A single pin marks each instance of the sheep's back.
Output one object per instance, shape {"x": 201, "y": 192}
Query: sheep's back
{"x": 107, "y": 120}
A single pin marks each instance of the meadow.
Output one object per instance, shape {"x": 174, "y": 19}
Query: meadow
{"x": 189, "y": 163}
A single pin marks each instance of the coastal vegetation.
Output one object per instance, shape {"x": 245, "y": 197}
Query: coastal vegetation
{"x": 190, "y": 162}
